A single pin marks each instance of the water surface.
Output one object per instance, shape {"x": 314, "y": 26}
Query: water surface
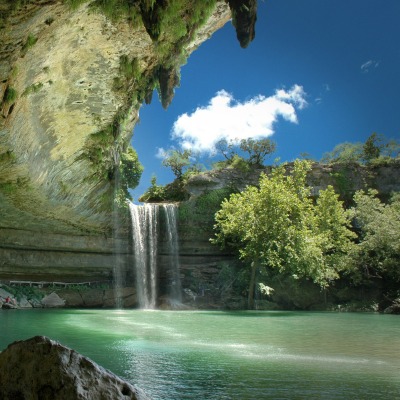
{"x": 222, "y": 355}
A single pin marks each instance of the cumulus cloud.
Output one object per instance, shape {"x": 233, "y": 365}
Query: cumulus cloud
{"x": 226, "y": 118}
{"x": 369, "y": 65}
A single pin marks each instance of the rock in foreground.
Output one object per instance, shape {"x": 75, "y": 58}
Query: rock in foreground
{"x": 42, "y": 369}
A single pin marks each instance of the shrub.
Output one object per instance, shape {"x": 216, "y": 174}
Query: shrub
{"x": 10, "y": 95}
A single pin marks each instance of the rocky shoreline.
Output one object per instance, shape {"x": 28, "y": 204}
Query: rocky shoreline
{"x": 73, "y": 297}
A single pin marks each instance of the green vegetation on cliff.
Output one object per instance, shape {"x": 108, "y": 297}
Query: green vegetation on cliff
{"x": 278, "y": 226}
{"x": 376, "y": 150}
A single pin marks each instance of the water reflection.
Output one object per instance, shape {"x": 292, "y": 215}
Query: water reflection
{"x": 216, "y": 355}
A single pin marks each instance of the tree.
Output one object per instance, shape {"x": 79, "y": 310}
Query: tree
{"x": 376, "y": 149}
{"x": 344, "y": 153}
{"x": 377, "y": 254}
{"x": 278, "y": 226}
{"x": 258, "y": 150}
{"x": 131, "y": 169}
{"x": 372, "y": 147}
{"x": 177, "y": 160}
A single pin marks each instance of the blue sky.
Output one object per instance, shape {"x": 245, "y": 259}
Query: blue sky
{"x": 318, "y": 73}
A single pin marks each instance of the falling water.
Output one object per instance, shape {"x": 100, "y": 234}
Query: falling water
{"x": 173, "y": 247}
{"x": 146, "y": 235}
{"x": 145, "y": 240}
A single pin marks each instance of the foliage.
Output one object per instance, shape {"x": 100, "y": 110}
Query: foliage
{"x": 30, "y": 42}
{"x": 7, "y": 157}
{"x": 129, "y": 70}
{"x": 277, "y": 226}
{"x": 177, "y": 160}
{"x": 74, "y": 4}
{"x": 174, "y": 191}
{"x": 377, "y": 255}
{"x": 99, "y": 151}
{"x": 155, "y": 192}
{"x": 130, "y": 168}
{"x": 20, "y": 291}
{"x": 345, "y": 153}
{"x": 343, "y": 181}
{"x": 10, "y": 95}
{"x": 372, "y": 147}
{"x": 258, "y": 150}
{"x": 34, "y": 88}
{"x": 376, "y": 150}
{"x": 200, "y": 211}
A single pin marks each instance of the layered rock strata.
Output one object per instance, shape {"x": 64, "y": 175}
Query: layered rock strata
{"x": 71, "y": 83}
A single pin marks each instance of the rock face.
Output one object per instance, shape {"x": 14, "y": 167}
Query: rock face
{"x": 346, "y": 179}
{"x": 42, "y": 369}
{"x": 71, "y": 83}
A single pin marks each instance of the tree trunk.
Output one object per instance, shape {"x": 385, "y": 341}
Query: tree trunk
{"x": 250, "y": 300}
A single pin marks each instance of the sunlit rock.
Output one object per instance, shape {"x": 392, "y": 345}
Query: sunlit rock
{"x": 42, "y": 369}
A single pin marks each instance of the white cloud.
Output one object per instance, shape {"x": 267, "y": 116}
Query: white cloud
{"x": 369, "y": 65}
{"x": 226, "y": 118}
{"x": 161, "y": 153}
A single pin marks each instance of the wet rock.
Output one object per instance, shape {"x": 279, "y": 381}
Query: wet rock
{"x": 24, "y": 303}
{"x": 394, "y": 308}
{"x": 43, "y": 369}
{"x": 72, "y": 298}
{"x": 53, "y": 300}
{"x": 9, "y": 306}
{"x": 92, "y": 298}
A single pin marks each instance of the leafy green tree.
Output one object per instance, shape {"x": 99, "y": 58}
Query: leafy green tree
{"x": 226, "y": 149}
{"x": 257, "y": 150}
{"x": 334, "y": 226}
{"x": 372, "y": 147}
{"x": 277, "y": 226}
{"x": 376, "y": 150}
{"x": 155, "y": 192}
{"x": 130, "y": 168}
{"x": 345, "y": 153}
{"x": 378, "y": 253}
{"x": 177, "y": 160}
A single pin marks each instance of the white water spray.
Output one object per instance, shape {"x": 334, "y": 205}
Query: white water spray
{"x": 145, "y": 240}
{"x": 146, "y": 236}
{"x": 173, "y": 247}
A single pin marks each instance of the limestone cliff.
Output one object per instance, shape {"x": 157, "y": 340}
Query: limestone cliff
{"x": 73, "y": 75}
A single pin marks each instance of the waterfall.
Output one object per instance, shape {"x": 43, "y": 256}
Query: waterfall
{"x": 173, "y": 247}
{"x": 145, "y": 240}
{"x": 146, "y": 236}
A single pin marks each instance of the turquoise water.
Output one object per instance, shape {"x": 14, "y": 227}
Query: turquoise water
{"x": 229, "y": 355}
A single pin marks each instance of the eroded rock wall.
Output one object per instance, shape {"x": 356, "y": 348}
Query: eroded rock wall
{"x": 71, "y": 84}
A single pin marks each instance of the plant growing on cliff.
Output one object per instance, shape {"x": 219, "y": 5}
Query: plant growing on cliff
{"x": 34, "y": 88}
{"x": 377, "y": 254}
{"x": 130, "y": 168}
{"x": 254, "y": 152}
{"x": 177, "y": 160}
{"x": 30, "y": 42}
{"x": 376, "y": 150}
{"x": 278, "y": 226}
{"x": 10, "y": 96}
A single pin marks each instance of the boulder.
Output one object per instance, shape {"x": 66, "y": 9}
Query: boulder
{"x": 43, "y": 369}
{"x": 53, "y": 300}
{"x": 394, "y": 308}
{"x": 72, "y": 297}
{"x": 24, "y": 303}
